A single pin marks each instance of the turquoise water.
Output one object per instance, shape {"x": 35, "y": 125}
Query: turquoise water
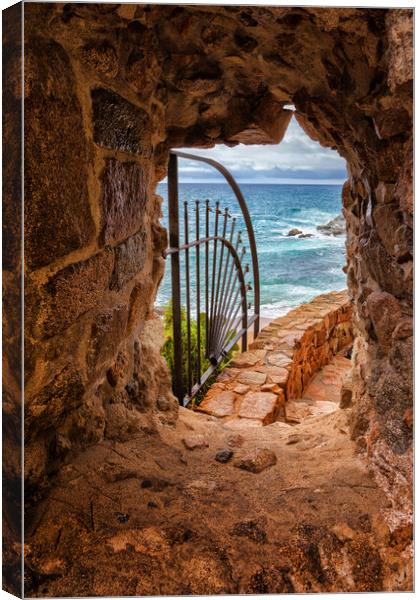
{"x": 292, "y": 270}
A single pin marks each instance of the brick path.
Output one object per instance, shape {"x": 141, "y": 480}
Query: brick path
{"x": 292, "y": 370}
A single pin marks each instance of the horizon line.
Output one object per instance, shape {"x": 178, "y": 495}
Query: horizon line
{"x": 334, "y": 182}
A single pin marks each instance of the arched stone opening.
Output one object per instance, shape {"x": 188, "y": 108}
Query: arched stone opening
{"x": 123, "y": 84}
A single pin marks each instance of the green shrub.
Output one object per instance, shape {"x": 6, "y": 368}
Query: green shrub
{"x": 168, "y": 349}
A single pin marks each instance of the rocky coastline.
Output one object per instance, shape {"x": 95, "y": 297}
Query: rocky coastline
{"x": 335, "y": 227}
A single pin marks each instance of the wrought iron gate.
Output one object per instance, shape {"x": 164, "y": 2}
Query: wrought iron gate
{"x": 218, "y": 287}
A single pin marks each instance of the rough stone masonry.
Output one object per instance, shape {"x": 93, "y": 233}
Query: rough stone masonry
{"x": 108, "y": 90}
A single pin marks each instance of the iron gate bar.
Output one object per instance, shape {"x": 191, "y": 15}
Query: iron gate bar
{"x": 197, "y": 274}
{"x": 175, "y": 271}
{"x": 217, "y": 238}
{"x": 253, "y": 247}
{"x": 229, "y": 295}
{"x": 187, "y": 293}
{"x": 224, "y": 297}
{"x": 219, "y": 273}
{"x": 207, "y": 277}
{"x": 213, "y": 277}
{"x": 214, "y": 359}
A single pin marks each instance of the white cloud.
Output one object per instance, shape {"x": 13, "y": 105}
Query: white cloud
{"x": 296, "y": 157}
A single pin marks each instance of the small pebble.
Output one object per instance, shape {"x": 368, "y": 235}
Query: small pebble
{"x": 192, "y": 442}
{"x": 293, "y": 439}
{"x": 224, "y": 456}
{"x": 257, "y": 460}
{"x": 122, "y": 517}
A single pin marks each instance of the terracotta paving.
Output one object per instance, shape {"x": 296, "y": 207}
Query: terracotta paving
{"x": 294, "y": 369}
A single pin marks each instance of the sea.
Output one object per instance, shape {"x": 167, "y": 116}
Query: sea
{"x": 292, "y": 270}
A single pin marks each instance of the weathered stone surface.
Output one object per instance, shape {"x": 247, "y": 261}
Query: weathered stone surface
{"x": 220, "y": 404}
{"x": 399, "y": 34}
{"x": 279, "y": 359}
{"x": 281, "y": 427}
{"x": 297, "y": 411}
{"x": 227, "y": 375}
{"x": 385, "y": 312}
{"x": 192, "y": 442}
{"x": 252, "y": 378}
{"x": 235, "y": 440}
{"x": 259, "y": 405}
{"x": 244, "y": 360}
{"x": 257, "y": 460}
{"x": 122, "y": 421}
{"x": 240, "y": 388}
{"x": 243, "y": 424}
{"x": 12, "y": 142}
{"x": 102, "y": 57}
{"x": 117, "y": 371}
{"x": 269, "y": 124}
{"x": 63, "y": 394}
{"x": 293, "y": 439}
{"x": 252, "y": 530}
{"x": 123, "y": 200}
{"x": 387, "y": 273}
{"x": 139, "y": 304}
{"x": 130, "y": 259}
{"x": 106, "y": 334}
{"x": 73, "y": 291}
{"x": 270, "y": 387}
{"x": 57, "y": 211}
{"x": 278, "y": 375}
{"x": 119, "y": 125}
{"x": 391, "y": 122}
{"x": 346, "y": 393}
{"x": 403, "y": 330}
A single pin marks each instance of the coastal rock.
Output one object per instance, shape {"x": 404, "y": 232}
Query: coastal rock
{"x": 335, "y": 227}
{"x": 294, "y": 232}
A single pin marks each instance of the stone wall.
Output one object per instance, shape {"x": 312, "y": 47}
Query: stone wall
{"x": 108, "y": 90}
{"x": 329, "y": 331}
{"x": 306, "y": 339}
{"x": 93, "y": 245}
{"x": 12, "y": 391}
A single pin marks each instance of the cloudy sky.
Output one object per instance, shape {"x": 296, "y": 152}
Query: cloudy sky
{"x": 297, "y": 159}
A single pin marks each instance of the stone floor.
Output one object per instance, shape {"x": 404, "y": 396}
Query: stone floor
{"x": 293, "y": 510}
{"x": 200, "y": 508}
{"x": 254, "y": 389}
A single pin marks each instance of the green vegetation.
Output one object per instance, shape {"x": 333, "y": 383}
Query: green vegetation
{"x": 168, "y": 349}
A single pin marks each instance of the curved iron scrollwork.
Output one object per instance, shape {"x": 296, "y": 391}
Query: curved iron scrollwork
{"x": 219, "y": 288}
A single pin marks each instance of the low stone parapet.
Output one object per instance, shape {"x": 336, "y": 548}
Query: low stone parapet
{"x": 281, "y": 361}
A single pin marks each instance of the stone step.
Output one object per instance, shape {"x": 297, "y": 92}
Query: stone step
{"x": 259, "y": 405}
